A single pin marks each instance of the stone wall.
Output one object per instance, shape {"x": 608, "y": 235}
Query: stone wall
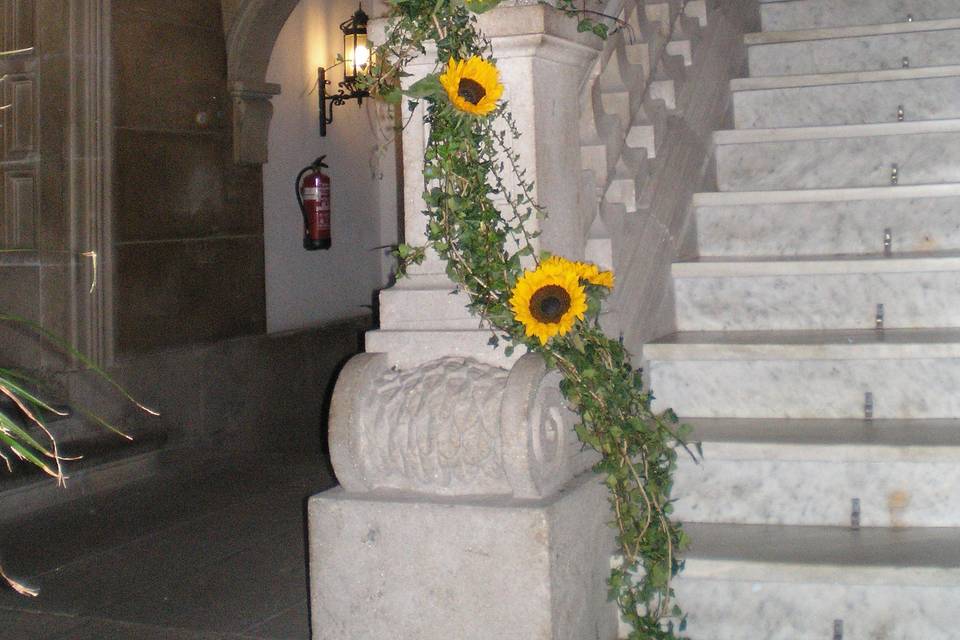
{"x": 180, "y": 280}
{"x": 34, "y": 222}
{"x": 309, "y": 287}
{"x": 264, "y": 393}
{"x": 188, "y": 227}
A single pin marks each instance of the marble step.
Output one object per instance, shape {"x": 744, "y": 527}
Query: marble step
{"x": 847, "y": 98}
{"x": 845, "y": 49}
{"x": 828, "y": 221}
{"x": 842, "y": 292}
{"x": 863, "y": 155}
{"x": 809, "y": 472}
{"x": 797, "y": 583}
{"x": 815, "y": 14}
{"x": 909, "y": 373}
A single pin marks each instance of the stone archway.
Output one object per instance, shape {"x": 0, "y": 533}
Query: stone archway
{"x": 251, "y": 28}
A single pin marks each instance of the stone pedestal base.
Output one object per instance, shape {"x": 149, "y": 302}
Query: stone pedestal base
{"x": 385, "y": 566}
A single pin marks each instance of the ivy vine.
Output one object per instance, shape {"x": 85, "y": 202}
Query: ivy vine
{"x": 480, "y": 226}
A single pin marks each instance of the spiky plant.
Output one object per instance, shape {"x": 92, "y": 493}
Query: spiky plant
{"x": 24, "y": 412}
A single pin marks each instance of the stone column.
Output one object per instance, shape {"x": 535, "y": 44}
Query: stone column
{"x": 543, "y": 64}
{"x": 467, "y": 509}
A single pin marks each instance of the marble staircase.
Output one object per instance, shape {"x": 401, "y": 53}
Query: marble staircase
{"x": 818, "y": 345}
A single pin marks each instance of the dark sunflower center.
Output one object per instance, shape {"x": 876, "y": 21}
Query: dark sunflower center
{"x": 548, "y": 304}
{"x": 471, "y": 90}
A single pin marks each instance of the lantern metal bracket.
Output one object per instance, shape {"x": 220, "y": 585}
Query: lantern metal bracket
{"x": 354, "y": 29}
{"x": 347, "y": 91}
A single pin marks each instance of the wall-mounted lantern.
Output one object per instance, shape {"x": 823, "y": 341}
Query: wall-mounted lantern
{"x": 356, "y": 57}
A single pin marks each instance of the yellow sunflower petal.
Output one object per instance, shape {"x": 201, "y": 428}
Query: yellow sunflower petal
{"x": 592, "y": 274}
{"x": 472, "y": 85}
{"x": 555, "y": 283}
{"x": 603, "y": 279}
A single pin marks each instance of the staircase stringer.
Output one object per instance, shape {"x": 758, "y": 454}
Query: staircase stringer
{"x": 646, "y": 147}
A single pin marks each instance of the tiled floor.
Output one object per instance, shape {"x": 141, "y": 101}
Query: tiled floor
{"x": 179, "y": 557}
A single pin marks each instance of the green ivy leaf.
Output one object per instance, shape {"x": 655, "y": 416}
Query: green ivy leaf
{"x": 481, "y": 6}
{"x": 426, "y": 87}
{"x": 392, "y": 96}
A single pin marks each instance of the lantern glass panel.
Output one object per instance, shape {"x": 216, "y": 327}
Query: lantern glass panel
{"x": 361, "y": 56}
{"x": 349, "y": 67}
{"x": 356, "y": 55}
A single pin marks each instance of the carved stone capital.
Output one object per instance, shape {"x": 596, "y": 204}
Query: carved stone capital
{"x": 453, "y": 427}
{"x": 251, "y": 28}
{"x": 252, "y": 112}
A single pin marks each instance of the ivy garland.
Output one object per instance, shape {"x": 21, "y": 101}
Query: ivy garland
{"x": 552, "y": 309}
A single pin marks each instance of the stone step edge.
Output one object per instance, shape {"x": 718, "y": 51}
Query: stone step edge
{"x": 820, "y": 554}
{"x": 404, "y": 347}
{"x": 712, "y": 267}
{"x": 853, "y": 31}
{"x": 905, "y": 192}
{"x": 855, "y": 344}
{"x": 44, "y": 493}
{"x": 833, "y": 132}
{"x": 828, "y": 453}
{"x": 847, "y": 77}
{"x": 832, "y": 441}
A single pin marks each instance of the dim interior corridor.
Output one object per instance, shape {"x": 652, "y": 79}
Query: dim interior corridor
{"x": 215, "y": 553}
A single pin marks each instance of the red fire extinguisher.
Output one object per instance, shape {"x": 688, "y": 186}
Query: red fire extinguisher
{"x": 313, "y": 195}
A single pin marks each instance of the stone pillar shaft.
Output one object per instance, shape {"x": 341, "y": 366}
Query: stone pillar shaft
{"x": 543, "y": 62}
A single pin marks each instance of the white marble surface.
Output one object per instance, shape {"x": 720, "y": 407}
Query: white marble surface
{"x": 809, "y": 14}
{"x": 849, "y": 344}
{"x": 817, "y": 300}
{"x": 845, "y": 77}
{"x": 811, "y": 484}
{"x": 865, "y": 53}
{"x": 835, "y": 132}
{"x": 798, "y": 196}
{"x": 849, "y": 31}
{"x": 724, "y": 266}
{"x": 793, "y": 582}
{"x": 732, "y": 609}
{"x": 829, "y": 227}
{"x": 787, "y": 443}
{"x": 806, "y": 388}
{"x": 854, "y": 103}
{"x": 868, "y": 556}
{"x": 838, "y": 162}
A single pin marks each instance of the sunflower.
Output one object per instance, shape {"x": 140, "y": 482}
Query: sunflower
{"x": 473, "y": 85}
{"x": 585, "y": 270}
{"x": 548, "y": 300}
{"x": 592, "y": 274}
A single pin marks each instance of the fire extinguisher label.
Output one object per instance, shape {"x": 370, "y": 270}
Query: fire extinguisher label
{"x": 311, "y": 193}
{"x": 324, "y": 196}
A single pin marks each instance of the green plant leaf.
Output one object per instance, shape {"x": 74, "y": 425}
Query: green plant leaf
{"x": 481, "y": 6}
{"x": 427, "y": 87}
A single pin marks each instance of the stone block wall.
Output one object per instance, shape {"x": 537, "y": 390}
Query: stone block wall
{"x": 181, "y": 277}
{"x": 35, "y": 277}
{"x": 188, "y": 225}
{"x": 263, "y": 392}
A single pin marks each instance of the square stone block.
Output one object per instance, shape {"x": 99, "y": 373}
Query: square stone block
{"x": 415, "y": 568}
